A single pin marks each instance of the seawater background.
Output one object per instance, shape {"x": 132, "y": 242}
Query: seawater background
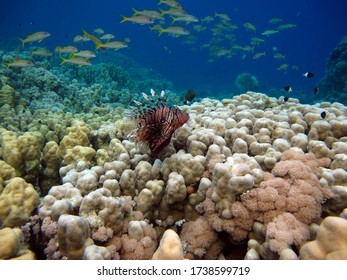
{"x": 320, "y": 26}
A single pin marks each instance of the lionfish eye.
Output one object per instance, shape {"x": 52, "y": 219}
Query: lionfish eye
{"x": 162, "y": 120}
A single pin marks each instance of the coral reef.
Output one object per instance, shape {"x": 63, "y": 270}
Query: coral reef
{"x": 333, "y": 85}
{"x": 248, "y": 177}
{"x": 246, "y": 82}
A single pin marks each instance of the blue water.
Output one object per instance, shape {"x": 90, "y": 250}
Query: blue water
{"x": 320, "y": 27}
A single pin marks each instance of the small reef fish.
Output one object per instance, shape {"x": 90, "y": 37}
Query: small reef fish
{"x": 275, "y": 20}
{"x": 207, "y": 19}
{"x": 172, "y": 3}
{"x": 323, "y": 115}
{"x": 288, "y": 88}
{"x": 224, "y": 17}
{"x": 147, "y": 13}
{"x": 286, "y": 26}
{"x": 259, "y": 55}
{"x": 189, "y": 96}
{"x": 20, "y": 63}
{"x": 80, "y": 61}
{"x": 174, "y": 12}
{"x": 138, "y": 19}
{"x": 308, "y": 75}
{"x": 107, "y": 37}
{"x": 279, "y": 56}
{"x": 250, "y": 26}
{"x": 35, "y": 37}
{"x": 282, "y": 67}
{"x": 99, "y": 31}
{"x": 67, "y": 49}
{"x": 257, "y": 41}
{"x": 222, "y": 52}
{"x": 85, "y": 54}
{"x": 173, "y": 30}
{"x": 269, "y": 32}
{"x": 41, "y": 52}
{"x": 116, "y": 45}
{"x": 285, "y": 99}
{"x": 199, "y": 27}
{"x": 316, "y": 90}
{"x": 78, "y": 39}
{"x": 156, "y": 122}
{"x": 109, "y": 45}
{"x": 187, "y": 19}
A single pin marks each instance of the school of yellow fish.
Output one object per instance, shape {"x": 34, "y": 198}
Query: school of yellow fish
{"x": 222, "y": 42}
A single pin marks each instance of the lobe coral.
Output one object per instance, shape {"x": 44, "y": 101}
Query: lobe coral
{"x": 156, "y": 122}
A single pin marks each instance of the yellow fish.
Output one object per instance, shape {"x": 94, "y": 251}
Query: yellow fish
{"x": 173, "y": 30}
{"x": 171, "y": 3}
{"x": 35, "y": 37}
{"x": 20, "y": 63}
{"x": 85, "y": 54}
{"x": 138, "y": 19}
{"x": 80, "y": 61}
{"x": 41, "y": 52}
{"x": 109, "y": 45}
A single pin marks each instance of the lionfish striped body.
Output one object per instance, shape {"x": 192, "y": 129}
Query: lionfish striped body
{"x": 156, "y": 122}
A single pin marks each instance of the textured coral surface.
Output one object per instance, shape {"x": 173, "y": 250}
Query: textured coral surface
{"x": 251, "y": 177}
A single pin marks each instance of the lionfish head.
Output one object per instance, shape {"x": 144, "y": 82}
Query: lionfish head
{"x": 156, "y": 122}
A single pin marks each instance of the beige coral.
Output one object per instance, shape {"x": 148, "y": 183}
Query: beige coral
{"x": 78, "y": 135}
{"x": 22, "y": 153}
{"x": 73, "y": 236}
{"x": 170, "y": 247}
{"x": 13, "y": 246}
{"x": 6, "y": 171}
{"x": 17, "y": 201}
{"x": 99, "y": 208}
{"x": 330, "y": 243}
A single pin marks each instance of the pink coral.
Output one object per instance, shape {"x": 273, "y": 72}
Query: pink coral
{"x": 292, "y": 189}
{"x": 139, "y": 250}
{"x": 102, "y": 234}
{"x": 285, "y": 230}
{"x": 49, "y": 227}
{"x": 200, "y": 240}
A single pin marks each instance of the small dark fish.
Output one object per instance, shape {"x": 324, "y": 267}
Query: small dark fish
{"x": 308, "y": 75}
{"x": 189, "y": 96}
{"x": 156, "y": 122}
{"x": 288, "y": 88}
{"x": 323, "y": 115}
{"x": 286, "y": 99}
{"x": 316, "y": 90}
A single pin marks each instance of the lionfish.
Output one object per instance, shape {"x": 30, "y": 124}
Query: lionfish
{"x": 155, "y": 122}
